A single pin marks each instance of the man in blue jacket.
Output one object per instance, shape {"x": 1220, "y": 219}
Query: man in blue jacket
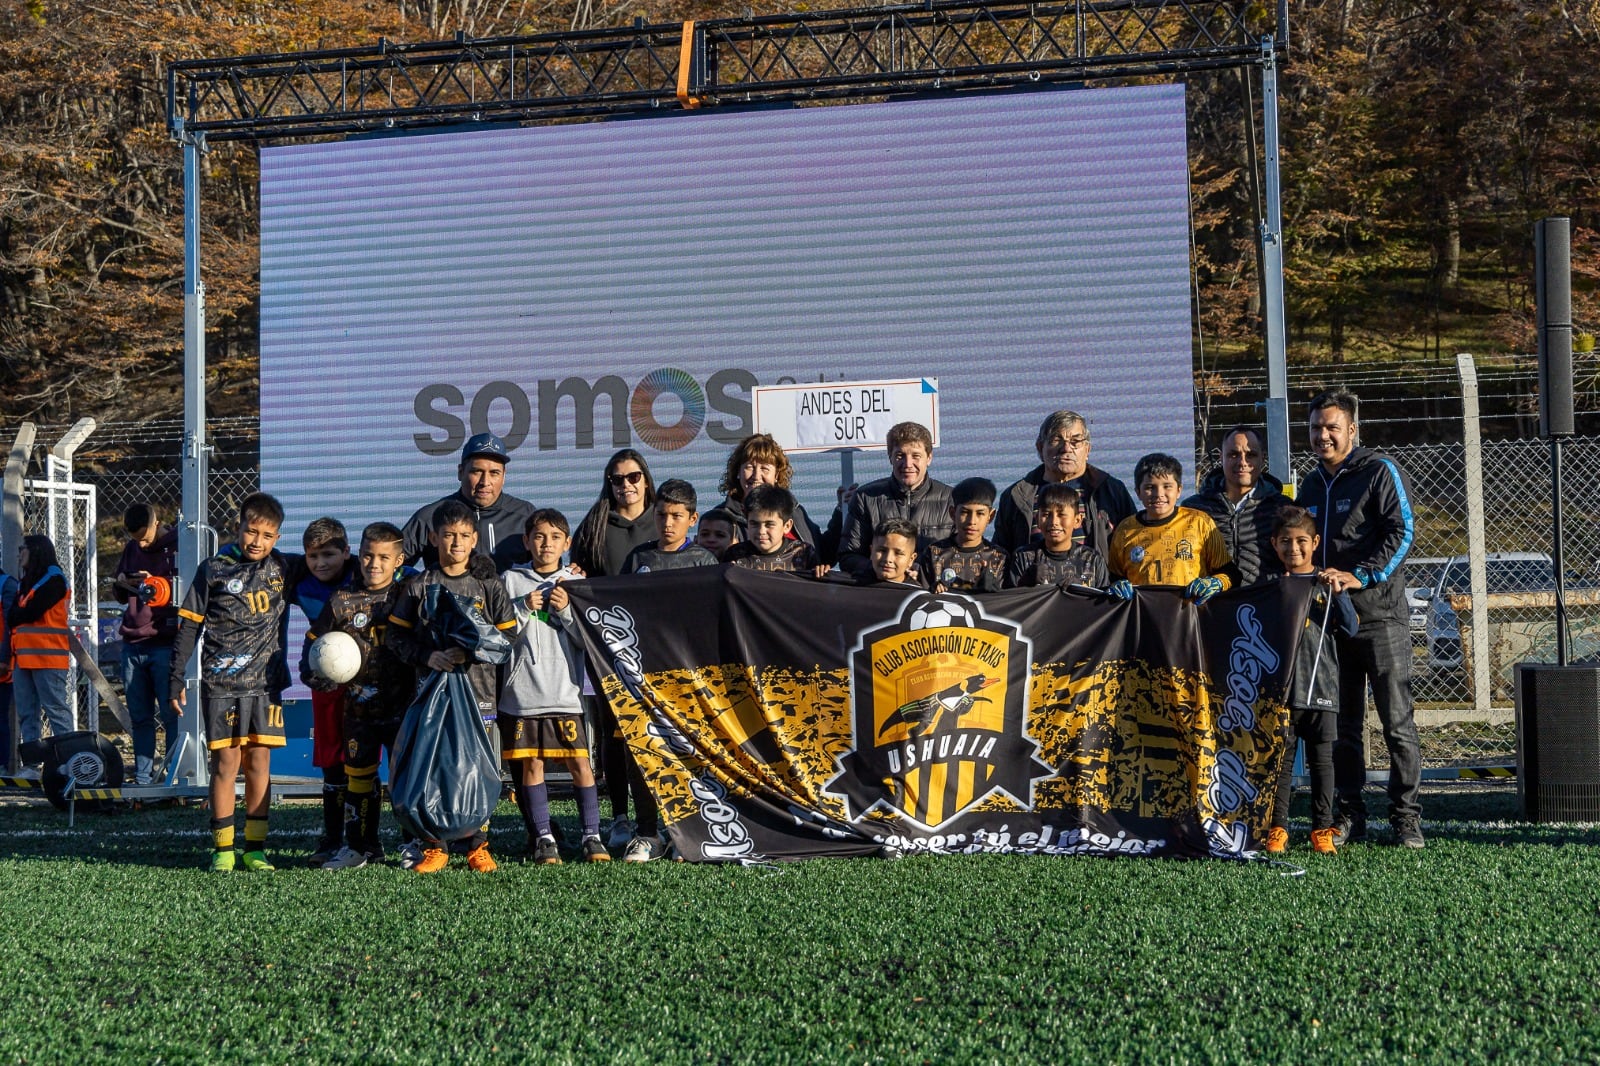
{"x": 1363, "y": 514}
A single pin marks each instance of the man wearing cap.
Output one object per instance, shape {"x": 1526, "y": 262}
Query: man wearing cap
{"x": 500, "y": 515}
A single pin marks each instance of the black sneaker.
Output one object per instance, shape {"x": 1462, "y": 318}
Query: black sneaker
{"x": 594, "y": 850}
{"x": 546, "y": 852}
{"x": 1349, "y": 828}
{"x": 1408, "y": 831}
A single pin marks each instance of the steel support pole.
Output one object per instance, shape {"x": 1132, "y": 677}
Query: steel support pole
{"x": 192, "y": 523}
{"x": 1556, "y": 559}
{"x": 1278, "y": 447}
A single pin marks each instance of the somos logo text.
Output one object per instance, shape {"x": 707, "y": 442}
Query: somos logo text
{"x": 665, "y": 410}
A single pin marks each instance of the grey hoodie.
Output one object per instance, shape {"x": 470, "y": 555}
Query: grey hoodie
{"x": 545, "y": 674}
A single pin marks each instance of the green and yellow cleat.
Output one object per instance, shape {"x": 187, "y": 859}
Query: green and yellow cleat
{"x": 222, "y": 862}
{"x": 256, "y": 862}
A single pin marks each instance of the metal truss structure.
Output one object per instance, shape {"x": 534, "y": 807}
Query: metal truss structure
{"x": 941, "y": 45}
{"x": 858, "y": 53}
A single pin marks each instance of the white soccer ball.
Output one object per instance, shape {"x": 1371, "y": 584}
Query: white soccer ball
{"x": 336, "y": 656}
{"x": 940, "y": 612}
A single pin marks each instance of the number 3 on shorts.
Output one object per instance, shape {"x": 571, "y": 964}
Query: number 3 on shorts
{"x": 569, "y": 731}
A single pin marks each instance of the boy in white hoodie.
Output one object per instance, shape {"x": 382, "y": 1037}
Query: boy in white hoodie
{"x": 541, "y": 717}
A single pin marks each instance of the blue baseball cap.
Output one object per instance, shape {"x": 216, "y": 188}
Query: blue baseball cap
{"x": 485, "y": 446}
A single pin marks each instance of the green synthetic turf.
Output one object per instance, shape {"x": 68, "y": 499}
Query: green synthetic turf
{"x": 120, "y": 947}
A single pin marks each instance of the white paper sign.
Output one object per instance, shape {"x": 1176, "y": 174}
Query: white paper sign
{"x": 830, "y": 415}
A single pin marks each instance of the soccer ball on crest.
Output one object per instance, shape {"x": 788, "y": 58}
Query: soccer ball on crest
{"x": 940, "y": 612}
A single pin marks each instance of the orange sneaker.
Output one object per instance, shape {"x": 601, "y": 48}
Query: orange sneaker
{"x": 1322, "y": 842}
{"x": 481, "y": 861}
{"x": 433, "y": 860}
{"x": 1277, "y": 840}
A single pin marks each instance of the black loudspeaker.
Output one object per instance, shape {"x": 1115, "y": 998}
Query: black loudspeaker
{"x": 1558, "y": 742}
{"x": 1552, "y": 254}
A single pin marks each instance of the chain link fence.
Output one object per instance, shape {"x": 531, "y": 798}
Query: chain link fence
{"x": 162, "y": 490}
{"x": 1456, "y": 728}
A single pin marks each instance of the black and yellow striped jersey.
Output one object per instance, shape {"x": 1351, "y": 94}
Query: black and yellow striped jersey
{"x": 979, "y": 569}
{"x": 1034, "y": 564}
{"x": 410, "y": 636}
{"x": 384, "y": 687}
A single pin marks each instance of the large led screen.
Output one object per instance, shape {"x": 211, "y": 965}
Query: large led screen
{"x": 580, "y": 288}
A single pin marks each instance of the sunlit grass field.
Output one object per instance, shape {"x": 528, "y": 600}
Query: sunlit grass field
{"x": 121, "y": 947}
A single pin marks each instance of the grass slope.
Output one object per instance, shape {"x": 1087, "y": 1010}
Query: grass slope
{"x": 121, "y": 948}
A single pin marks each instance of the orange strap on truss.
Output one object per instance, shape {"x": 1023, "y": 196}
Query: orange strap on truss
{"x": 685, "y": 65}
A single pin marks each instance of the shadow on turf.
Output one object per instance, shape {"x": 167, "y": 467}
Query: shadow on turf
{"x": 176, "y": 838}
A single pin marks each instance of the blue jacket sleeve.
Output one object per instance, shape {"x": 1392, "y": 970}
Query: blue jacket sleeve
{"x": 1393, "y": 503}
{"x": 1347, "y": 623}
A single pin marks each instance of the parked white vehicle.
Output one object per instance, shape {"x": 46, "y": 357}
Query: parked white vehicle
{"x": 1422, "y": 574}
{"x": 1503, "y": 572}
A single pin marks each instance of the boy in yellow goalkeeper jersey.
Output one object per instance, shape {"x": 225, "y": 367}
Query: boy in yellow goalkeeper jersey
{"x": 1165, "y": 544}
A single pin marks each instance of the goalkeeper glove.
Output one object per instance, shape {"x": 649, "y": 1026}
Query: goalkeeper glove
{"x": 1122, "y": 590}
{"x": 1202, "y": 589}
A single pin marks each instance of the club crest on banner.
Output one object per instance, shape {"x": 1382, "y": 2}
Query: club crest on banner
{"x": 939, "y": 701}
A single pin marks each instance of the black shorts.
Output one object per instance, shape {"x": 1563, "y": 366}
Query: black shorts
{"x": 366, "y": 739}
{"x": 238, "y": 721}
{"x": 553, "y": 736}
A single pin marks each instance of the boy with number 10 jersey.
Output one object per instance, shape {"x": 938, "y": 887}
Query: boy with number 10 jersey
{"x": 237, "y": 600}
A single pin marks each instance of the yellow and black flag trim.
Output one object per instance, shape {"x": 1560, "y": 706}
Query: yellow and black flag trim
{"x": 777, "y": 717}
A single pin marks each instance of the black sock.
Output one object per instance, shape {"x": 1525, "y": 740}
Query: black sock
{"x": 332, "y": 809}
{"x": 589, "y": 809}
{"x": 614, "y": 754}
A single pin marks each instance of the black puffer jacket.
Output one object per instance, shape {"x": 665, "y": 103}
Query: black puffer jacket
{"x": 1106, "y": 501}
{"x": 499, "y": 530}
{"x": 927, "y": 507}
{"x": 1363, "y": 514}
{"x": 1246, "y": 529}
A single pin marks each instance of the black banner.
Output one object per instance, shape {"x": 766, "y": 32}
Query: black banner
{"x": 777, "y": 717}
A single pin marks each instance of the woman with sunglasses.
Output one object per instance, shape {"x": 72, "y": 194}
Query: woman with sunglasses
{"x": 620, "y": 520}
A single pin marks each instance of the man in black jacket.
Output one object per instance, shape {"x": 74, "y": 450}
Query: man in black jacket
{"x": 908, "y": 493}
{"x": 499, "y": 516}
{"x": 1063, "y": 447}
{"x": 1362, "y": 508}
{"x": 1243, "y": 500}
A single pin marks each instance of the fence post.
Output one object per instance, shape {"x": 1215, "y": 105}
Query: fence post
{"x": 11, "y": 542}
{"x": 1475, "y": 538}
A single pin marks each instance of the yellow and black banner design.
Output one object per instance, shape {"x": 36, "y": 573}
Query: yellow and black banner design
{"x": 776, "y": 717}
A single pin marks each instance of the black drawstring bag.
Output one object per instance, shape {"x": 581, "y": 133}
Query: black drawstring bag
{"x": 446, "y": 777}
{"x": 446, "y": 772}
{"x": 455, "y": 622}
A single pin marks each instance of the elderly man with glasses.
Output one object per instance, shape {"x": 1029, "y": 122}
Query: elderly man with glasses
{"x": 1063, "y": 448}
